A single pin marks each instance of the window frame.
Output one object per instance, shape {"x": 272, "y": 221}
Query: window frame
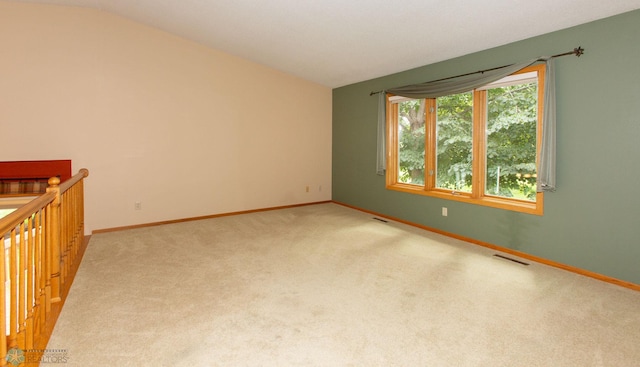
{"x": 478, "y": 195}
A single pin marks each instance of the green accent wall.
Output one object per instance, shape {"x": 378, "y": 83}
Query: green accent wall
{"x": 592, "y": 221}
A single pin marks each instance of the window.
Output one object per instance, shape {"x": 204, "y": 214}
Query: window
{"x": 479, "y": 147}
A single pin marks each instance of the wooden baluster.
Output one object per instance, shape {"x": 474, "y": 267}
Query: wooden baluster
{"x": 63, "y": 240}
{"x": 80, "y": 209}
{"x": 74, "y": 223}
{"x": 54, "y": 241}
{"x": 67, "y": 235}
{"x": 72, "y": 227}
{"x": 34, "y": 265}
{"x": 21, "y": 282}
{"x": 71, "y": 237}
{"x": 13, "y": 307}
{"x": 41, "y": 268}
{"x": 3, "y": 308}
{"x": 77, "y": 224}
{"x": 81, "y": 213}
{"x": 69, "y": 231}
{"x": 30, "y": 281}
{"x": 47, "y": 260}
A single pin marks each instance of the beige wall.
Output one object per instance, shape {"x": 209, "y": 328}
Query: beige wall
{"x": 183, "y": 129}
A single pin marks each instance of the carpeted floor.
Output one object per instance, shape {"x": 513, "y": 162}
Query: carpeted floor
{"x": 325, "y": 285}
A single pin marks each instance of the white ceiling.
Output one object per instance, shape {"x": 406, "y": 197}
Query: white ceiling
{"x": 339, "y": 42}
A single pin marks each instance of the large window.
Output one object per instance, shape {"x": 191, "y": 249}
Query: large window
{"x": 479, "y": 147}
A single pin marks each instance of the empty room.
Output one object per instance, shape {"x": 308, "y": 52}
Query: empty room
{"x": 359, "y": 183}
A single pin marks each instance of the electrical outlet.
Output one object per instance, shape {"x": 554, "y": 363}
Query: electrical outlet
{"x": 445, "y": 212}
{"x": 137, "y": 205}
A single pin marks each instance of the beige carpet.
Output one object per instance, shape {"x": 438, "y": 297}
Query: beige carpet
{"x": 324, "y": 285}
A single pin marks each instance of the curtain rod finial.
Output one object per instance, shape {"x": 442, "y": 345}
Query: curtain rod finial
{"x": 578, "y": 51}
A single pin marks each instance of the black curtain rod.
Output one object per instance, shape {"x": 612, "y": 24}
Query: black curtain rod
{"x": 576, "y": 51}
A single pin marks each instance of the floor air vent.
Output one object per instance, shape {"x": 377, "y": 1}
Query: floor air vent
{"x": 380, "y": 219}
{"x": 510, "y": 259}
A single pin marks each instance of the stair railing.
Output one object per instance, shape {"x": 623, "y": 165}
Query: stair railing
{"x": 43, "y": 241}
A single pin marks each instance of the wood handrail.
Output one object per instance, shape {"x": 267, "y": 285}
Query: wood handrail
{"x": 82, "y": 173}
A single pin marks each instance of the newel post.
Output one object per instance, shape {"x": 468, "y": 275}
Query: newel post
{"x": 53, "y": 240}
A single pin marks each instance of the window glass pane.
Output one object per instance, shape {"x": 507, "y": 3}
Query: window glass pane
{"x": 411, "y": 130}
{"x": 454, "y": 125}
{"x": 512, "y": 119}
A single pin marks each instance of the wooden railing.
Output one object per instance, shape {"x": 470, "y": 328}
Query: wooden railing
{"x": 43, "y": 243}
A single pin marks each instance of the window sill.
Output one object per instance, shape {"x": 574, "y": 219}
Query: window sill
{"x": 490, "y": 201}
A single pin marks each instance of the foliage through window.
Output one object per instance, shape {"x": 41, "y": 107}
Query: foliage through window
{"x": 479, "y": 147}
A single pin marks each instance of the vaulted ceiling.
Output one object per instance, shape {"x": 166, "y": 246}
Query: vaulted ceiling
{"x": 339, "y": 42}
